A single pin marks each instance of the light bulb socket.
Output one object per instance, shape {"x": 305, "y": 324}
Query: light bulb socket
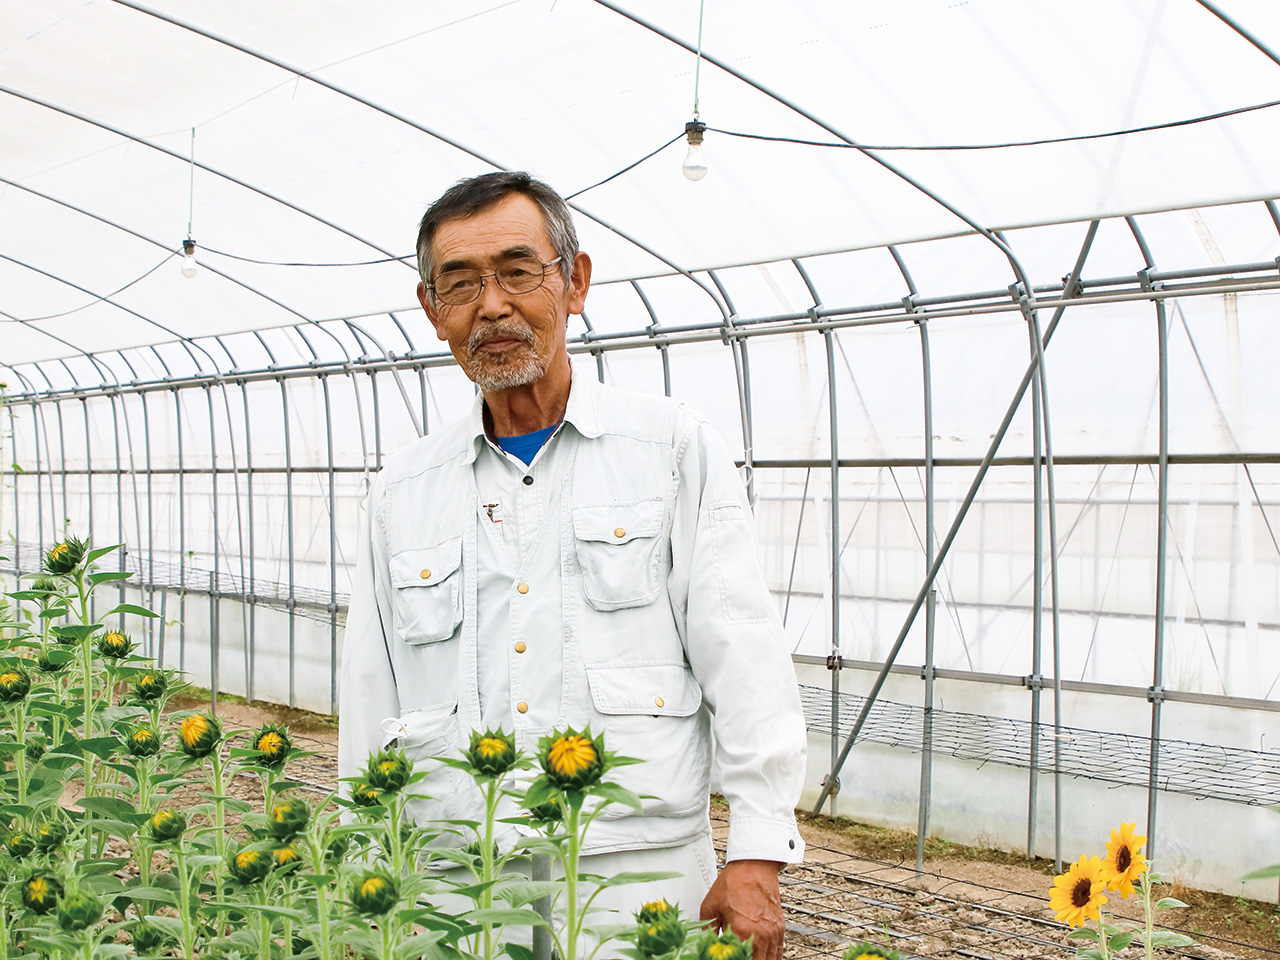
{"x": 693, "y": 131}
{"x": 188, "y": 247}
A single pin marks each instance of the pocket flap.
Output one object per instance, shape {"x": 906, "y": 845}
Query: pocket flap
{"x": 618, "y": 522}
{"x": 663, "y": 689}
{"x": 418, "y": 727}
{"x": 426, "y": 566}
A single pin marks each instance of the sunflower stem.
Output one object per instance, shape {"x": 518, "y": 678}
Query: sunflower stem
{"x": 219, "y": 806}
{"x": 573, "y": 841}
{"x": 1146, "y": 904}
{"x": 486, "y": 862}
{"x": 184, "y": 905}
{"x": 1104, "y": 942}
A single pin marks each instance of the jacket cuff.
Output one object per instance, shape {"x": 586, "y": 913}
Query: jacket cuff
{"x": 763, "y": 838}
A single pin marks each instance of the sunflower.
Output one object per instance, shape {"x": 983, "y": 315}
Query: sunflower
{"x": 14, "y": 685}
{"x": 199, "y": 734}
{"x": 388, "y": 770}
{"x": 41, "y": 891}
{"x": 65, "y": 556}
{"x": 374, "y": 893}
{"x": 142, "y": 741}
{"x": 493, "y": 752}
{"x": 274, "y": 745}
{"x": 572, "y": 760}
{"x": 115, "y": 645}
{"x": 1123, "y": 864}
{"x": 1077, "y": 894}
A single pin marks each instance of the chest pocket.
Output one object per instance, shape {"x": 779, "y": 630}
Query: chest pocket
{"x": 427, "y": 592}
{"x": 619, "y": 551}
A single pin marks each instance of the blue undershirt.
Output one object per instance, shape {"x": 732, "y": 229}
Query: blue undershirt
{"x": 526, "y": 445}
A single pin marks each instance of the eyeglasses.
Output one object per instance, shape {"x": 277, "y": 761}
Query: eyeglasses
{"x": 522, "y": 275}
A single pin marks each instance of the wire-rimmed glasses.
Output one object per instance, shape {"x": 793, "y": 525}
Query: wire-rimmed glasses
{"x": 520, "y": 275}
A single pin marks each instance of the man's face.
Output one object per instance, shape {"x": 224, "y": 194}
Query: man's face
{"x": 501, "y": 339}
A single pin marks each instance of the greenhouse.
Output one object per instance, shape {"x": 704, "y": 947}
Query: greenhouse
{"x": 980, "y": 294}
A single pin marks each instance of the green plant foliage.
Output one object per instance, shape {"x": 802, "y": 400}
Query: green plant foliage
{"x": 158, "y": 858}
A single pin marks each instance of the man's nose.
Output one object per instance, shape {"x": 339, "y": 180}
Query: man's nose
{"x": 495, "y": 302}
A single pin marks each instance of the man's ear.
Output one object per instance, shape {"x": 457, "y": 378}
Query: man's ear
{"x": 579, "y": 282}
{"x": 424, "y": 298}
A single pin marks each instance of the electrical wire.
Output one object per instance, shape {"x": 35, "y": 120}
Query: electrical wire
{"x": 1000, "y": 146}
{"x": 630, "y": 166}
{"x": 97, "y": 300}
{"x": 282, "y": 263}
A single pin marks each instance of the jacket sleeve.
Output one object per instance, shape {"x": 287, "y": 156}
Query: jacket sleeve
{"x": 735, "y": 645}
{"x": 367, "y": 691}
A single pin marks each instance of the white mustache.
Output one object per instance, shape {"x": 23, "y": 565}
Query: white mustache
{"x": 498, "y": 331}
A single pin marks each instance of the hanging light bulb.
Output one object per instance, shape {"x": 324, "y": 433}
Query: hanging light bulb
{"x": 695, "y": 164}
{"x": 189, "y": 266}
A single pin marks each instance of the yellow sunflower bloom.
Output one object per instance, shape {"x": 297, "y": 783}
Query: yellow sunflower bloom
{"x": 1123, "y": 863}
{"x": 569, "y": 755}
{"x": 1077, "y": 894}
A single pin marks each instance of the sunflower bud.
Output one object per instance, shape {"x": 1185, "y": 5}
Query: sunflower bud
{"x": 47, "y": 663}
{"x": 374, "y": 894}
{"x": 865, "y": 949}
{"x": 388, "y": 770}
{"x": 493, "y": 752}
{"x": 114, "y": 645}
{"x": 550, "y": 812}
{"x": 365, "y": 795}
{"x": 47, "y": 587}
{"x": 274, "y": 745}
{"x": 148, "y": 939}
{"x": 151, "y": 685}
{"x": 79, "y": 911}
{"x": 21, "y": 845}
{"x": 287, "y": 818}
{"x": 198, "y": 734}
{"x": 249, "y": 865}
{"x": 572, "y": 760}
{"x": 167, "y": 825}
{"x": 14, "y": 685}
{"x": 285, "y": 856}
{"x": 723, "y": 946}
{"x": 656, "y": 910}
{"x": 34, "y": 750}
{"x": 142, "y": 741}
{"x": 41, "y": 892}
{"x": 660, "y": 936}
{"x": 65, "y": 556}
{"x": 49, "y": 835}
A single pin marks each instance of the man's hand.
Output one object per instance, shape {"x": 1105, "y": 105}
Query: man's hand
{"x": 745, "y": 899}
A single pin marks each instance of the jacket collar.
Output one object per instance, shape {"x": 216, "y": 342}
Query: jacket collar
{"x": 582, "y": 410}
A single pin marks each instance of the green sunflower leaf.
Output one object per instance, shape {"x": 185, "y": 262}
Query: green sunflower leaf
{"x": 1167, "y": 938}
{"x": 131, "y": 608}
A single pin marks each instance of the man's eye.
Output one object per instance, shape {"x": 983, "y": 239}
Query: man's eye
{"x": 449, "y": 283}
{"x": 517, "y": 273}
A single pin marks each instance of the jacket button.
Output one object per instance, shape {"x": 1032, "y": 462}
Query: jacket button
{"x": 528, "y": 481}
{"x": 620, "y": 533}
{"x": 520, "y": 647}
{"x": 791, "y": 844}
{"x": 659, "y": 702}
{"x": 425, "y": 574}
{"x": 523, "y": 588}
{"x": 522, "y": 707}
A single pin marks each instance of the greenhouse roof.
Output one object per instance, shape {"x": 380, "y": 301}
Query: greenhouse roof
{"x": 299, "y": 143}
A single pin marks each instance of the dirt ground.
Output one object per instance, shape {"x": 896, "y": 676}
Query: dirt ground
{"x": 859, "y": 882}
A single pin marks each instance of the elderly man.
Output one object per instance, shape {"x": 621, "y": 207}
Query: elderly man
{"x": 572, "y": 555}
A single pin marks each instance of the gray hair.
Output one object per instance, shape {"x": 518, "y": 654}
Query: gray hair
{"x": 468, "y": 197}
